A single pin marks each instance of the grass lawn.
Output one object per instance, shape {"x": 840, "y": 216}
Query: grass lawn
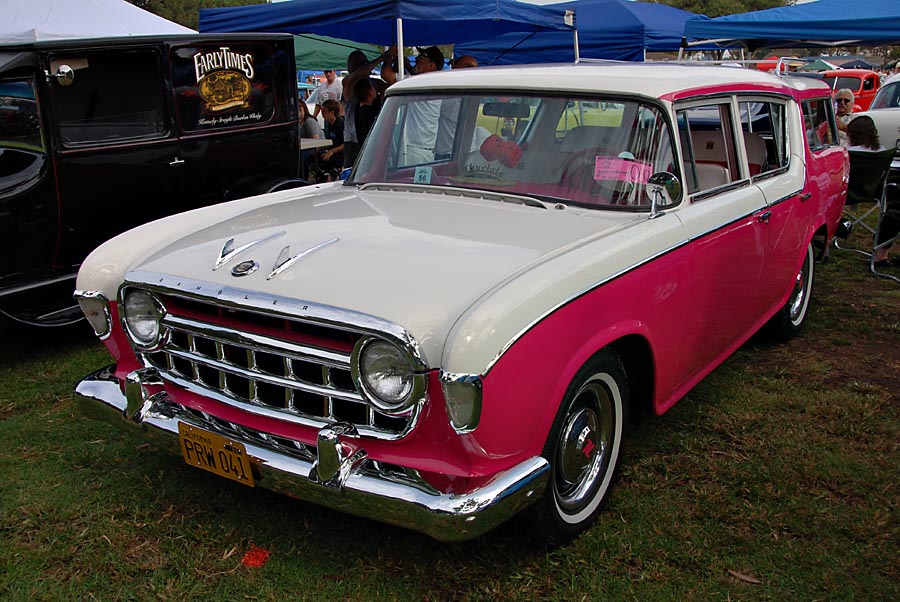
{"x": 775, "y": 479}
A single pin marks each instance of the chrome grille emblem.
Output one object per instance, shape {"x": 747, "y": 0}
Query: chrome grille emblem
{"x": 244, "y": 268}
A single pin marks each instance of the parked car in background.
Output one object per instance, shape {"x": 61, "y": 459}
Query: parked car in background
{"x": 520, "y": 259}
{"x": 99, "y": 136}
{"x": 885, "y": 111}
{"x": 862, "y": 82}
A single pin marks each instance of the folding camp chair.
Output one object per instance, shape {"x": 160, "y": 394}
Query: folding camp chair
{"x": 866, "y": 192}
{"x": 889, "y": 208}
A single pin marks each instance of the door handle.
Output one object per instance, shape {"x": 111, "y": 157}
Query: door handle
{"x": 806, "y": 196}
{"x": 176, "y": 162}
{"x": 764, "y": 217}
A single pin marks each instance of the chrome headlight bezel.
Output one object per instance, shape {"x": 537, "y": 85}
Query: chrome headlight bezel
{"x": 399, "y": 405}
{"x": 156, "y": 338}
{"x": 95, "y": 307}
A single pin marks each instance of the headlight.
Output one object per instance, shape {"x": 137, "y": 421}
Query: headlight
{"x": 143, "y": 313}
{"x": 387, "y": 375}
{"x": 96, "y": 309}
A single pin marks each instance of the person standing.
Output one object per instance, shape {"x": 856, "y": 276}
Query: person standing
{"x": 358, "y": 67}
{"x": 331, "y": 89}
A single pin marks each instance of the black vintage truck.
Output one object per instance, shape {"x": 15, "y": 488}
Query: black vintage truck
{"x": 98, "y": 136}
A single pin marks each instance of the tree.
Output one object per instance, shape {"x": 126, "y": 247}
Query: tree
{"x": 720, "y": 8}
{"x": 186, "y": 12}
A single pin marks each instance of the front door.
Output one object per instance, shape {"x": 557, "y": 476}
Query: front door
{"x": 116, "y": 152}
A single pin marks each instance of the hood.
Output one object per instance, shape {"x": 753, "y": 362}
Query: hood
{"x": 417, "y": 259}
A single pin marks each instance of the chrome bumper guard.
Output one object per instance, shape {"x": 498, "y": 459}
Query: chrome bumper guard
{"x": 352, "y": 484}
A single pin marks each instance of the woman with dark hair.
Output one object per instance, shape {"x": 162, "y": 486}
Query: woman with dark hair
{"x": 863, "y": 135}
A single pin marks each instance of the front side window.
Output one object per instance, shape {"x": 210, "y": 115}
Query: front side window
{"x": 592, "y": 152}
{"x": 21, "y": 144}
{"x": 818, "y": 123}
{"x": 116, "y": 96}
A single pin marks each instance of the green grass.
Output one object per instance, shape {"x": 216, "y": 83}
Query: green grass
{"x": 775, "y": 479}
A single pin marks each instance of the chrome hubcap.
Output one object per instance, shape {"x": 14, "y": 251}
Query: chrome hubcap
{"x": 584, "y": 445}
{"x": 798, "y": 300}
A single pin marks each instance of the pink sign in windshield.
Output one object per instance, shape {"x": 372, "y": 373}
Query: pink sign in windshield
{"x": 622, "y": 170}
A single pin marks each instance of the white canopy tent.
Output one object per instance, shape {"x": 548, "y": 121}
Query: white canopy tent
{"x": 29, "y": 21}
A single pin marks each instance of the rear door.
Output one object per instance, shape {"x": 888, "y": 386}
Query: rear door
{"x": 237, "y": 120}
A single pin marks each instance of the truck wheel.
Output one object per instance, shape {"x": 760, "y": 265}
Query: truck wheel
{"x": 583, "y": 449}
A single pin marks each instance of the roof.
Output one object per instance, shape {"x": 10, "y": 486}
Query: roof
{"x": 659, "y": 80}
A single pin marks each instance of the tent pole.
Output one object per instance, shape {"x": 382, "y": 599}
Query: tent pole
{"x": 400, "y": 54}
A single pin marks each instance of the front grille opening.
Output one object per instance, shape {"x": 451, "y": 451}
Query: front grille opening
{"x": 237, "y": 356}
{"x": 341, "y": 379}
{"x": 208, "y": 376}
{"x": 390, "y": 423}
{"x": 349, "y": 411}
{"x": 311, "y": 404}
{"x": 183, "y": 367}
{"x": 271, "y": 395}
{"x": 308, "y": 372}
{"x": 238, "y": 386}
{"x": 180, "y": 340}
{"x": 205, "y": 347}
{"x": 270, "y": 363}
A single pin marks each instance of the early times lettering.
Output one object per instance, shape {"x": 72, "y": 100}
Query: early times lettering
{"x": 224, "y": 58}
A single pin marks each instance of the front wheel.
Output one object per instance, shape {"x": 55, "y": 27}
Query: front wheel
{"x": 583, "y": 448}
{"x": 786, "y": 324}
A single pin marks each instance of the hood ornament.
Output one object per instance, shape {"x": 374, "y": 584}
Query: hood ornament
{"x": 244, "y": 268}
{"x": 229, "y": 252}
{"x": 285, "y": 260}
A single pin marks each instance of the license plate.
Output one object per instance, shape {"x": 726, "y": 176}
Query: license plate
{"x": 215, "y": 453}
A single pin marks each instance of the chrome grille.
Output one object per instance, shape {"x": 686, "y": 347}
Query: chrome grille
{"x": 262, "y": 373}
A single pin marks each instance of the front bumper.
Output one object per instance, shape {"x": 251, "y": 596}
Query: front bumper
{"x": 354, "y": 484}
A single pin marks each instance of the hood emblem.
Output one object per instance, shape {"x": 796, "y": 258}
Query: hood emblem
{"x": 244, "y": 268}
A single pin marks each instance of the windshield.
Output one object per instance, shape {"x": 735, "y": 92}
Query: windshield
{"x": 593, "y": 152}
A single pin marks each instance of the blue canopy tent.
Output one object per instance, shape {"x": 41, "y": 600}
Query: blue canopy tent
{"x": 607, "y": 29}
{"x": 813, "y": 24}
{"x": 383, "y": 22}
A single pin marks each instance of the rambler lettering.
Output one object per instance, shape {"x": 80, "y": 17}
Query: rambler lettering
{"x": 224, "y": 58}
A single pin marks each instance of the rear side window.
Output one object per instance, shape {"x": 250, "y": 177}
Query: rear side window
{"x": 116, "y": 96}
{"x": 818, "y": 123}
{"x": 222, "y": 86}
{"x": 888, "y": 97}
{"x": 765, "y": 135}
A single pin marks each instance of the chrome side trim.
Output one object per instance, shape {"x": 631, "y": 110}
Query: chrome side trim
{"x": 358, "y": 485}
{"x": 573, "y": 297}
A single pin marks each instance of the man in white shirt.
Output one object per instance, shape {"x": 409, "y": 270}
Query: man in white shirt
{"x": 331, "y": 89}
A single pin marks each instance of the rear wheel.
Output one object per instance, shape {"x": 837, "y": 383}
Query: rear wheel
{"x": 789, "y": 320}
{"x": 583, "y": 448}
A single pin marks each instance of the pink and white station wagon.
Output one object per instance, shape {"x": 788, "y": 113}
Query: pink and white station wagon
{"x": 520, "y": 258}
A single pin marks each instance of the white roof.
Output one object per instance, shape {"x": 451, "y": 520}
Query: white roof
{"x": 646, "y": 79}
{"x": 28, "y": 21}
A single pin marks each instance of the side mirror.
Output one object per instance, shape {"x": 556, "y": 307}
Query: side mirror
{"x": 663, "y": 188}
{"x": 65, "y": 75}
